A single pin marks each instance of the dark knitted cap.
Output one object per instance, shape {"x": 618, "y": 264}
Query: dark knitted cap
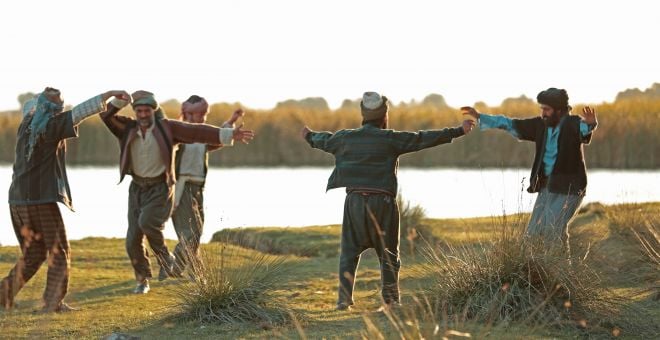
{"x": 555, "y": 98}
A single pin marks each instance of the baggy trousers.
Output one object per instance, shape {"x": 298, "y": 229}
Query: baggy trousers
{"x": 149, "y": 207}
{"x": 188, "y": 220}
{"x": 370, "y": 221}
{"x": 551, "y": 215}
{"x": 41, "y": 235}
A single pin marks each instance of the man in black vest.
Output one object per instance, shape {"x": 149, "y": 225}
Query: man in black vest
{"x": 191, "y": 167}
{"x": 558, "y": 172}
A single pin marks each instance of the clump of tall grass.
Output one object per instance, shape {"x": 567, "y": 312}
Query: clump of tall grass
{"x": 513, "y": 279}
{"x": 410, "y": 221}
{"x": 229, "y": 284}
{"x": 421, "y": 319}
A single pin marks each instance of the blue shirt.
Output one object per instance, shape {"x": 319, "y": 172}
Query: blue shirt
{"x": 487, "y": 121}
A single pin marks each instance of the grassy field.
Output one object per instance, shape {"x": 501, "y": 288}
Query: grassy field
{"x": 102, "y": 281}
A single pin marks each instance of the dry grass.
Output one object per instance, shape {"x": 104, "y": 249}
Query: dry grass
{"x": 227, "y": 286}
{"x": 515, "y": 280}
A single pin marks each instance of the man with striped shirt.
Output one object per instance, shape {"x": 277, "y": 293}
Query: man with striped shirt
{"x": 38, "y": 183}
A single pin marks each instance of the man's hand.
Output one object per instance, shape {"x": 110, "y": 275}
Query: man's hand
{"x": 123, "y": 95}
{"x": 589, "y": 115}
{"x": 243, "y": 136}
{"x": 305, "y": 130}
{"x": 468, "y": 125}
{"x": 470, "y": 112}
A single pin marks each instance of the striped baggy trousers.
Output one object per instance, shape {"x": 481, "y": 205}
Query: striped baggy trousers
{"x": 41, "y": 236}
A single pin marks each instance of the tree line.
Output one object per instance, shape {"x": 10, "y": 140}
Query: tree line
{"x": 627, "y": 135}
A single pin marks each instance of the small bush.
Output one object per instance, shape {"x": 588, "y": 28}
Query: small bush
{"x": 514, "y": 279}
{"x": 234, "y": 285}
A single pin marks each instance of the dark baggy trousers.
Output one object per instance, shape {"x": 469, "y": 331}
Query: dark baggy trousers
{"x": 41, "y": 235}
{"x": 370, "y": 221}
{"x": 188, "y": 219}
{"x": 149, "y": 207}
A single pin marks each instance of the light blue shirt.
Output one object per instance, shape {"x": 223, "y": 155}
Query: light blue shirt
{"x": 487, "y": 122}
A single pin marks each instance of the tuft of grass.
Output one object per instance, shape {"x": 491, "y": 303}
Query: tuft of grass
{"x": 513, "y": 279}
{"x": 410, "y": 220}
{"x": 227, "y": 285}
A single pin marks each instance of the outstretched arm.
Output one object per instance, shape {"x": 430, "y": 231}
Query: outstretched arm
{"x": 523, "y": 129}
{"x": 317, "y": 140}
{"x": 183, "y": 132}
{"x": 405, "y": 141}
{"x": 487, "y": 122}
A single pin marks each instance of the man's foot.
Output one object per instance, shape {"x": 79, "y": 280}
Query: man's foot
{"x": 344, "y": 306}
{"x": 167, "y": 269}
{"x": 61, "y": 308}
{"x": 142, "y": 287}
{"x": 390, "y": 306}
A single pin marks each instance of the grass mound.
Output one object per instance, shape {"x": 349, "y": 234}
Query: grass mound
{"x": 512, "y": 279}
{"x": 231, "y": 286}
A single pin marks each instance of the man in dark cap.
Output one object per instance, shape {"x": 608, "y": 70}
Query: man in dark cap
{"x": 191, "y": 168}
{"x": 366, "y": 163}
{"x": 559, "y": 173}
{"x": 147, "y": 151}
{"x": 39, "y": 182}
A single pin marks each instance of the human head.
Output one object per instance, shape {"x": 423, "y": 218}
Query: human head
{"x": 374, "y": 109}
{"x": 554, "y": 105}
{"x": 194, "y": 109}
{"x": 144, "y": 105}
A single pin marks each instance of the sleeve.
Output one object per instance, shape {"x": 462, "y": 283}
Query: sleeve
{"x": 320, "y": 140}
{"x": 188, "y": 133}
{"x": 116, "y": 124}
{"x": 523, "y": 129}
{"x": 61, "y": 127}
{"x": 586, "y": 131}
{"x": 88, "y": 108}
{"x": 227, "y": 136}
{"x": 405, "y": 141}
{"x": 487, "y": 122}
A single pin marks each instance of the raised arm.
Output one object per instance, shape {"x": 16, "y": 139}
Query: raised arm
{"x": 588, "y": 124}
{"x": 405, "y": 141}
{"x": 116, "y": 124}
{"x": 96, "y": 105}
{"x": 229, "y": 123}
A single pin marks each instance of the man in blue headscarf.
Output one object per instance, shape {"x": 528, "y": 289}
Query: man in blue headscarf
{"x": 39, "y": 181}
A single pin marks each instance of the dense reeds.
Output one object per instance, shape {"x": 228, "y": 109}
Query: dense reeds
{"x": 627, "y": 135}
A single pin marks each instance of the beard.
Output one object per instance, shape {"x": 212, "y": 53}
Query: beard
{"x": 551, "y": 120}
{"x": 146, "y": 122}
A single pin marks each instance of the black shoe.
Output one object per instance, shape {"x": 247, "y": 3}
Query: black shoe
{"x": 344, "y": 306}
{"x": 167, "y": 269}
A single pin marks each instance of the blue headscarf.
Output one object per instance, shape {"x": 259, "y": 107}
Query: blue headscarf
{"x": 40, "y": 110}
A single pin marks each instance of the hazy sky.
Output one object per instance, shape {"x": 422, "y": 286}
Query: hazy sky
{"x": 262, "y": 52}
